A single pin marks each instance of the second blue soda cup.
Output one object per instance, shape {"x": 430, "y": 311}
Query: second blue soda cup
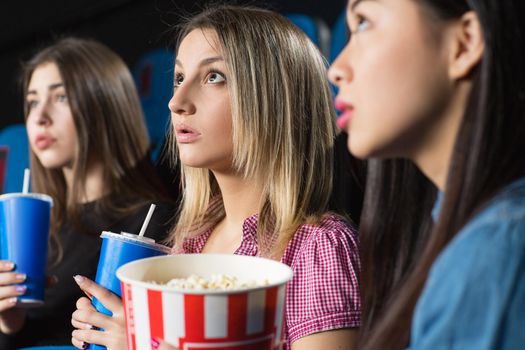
{"x": 117, "y": 250}
{"x": 24, "y": 233}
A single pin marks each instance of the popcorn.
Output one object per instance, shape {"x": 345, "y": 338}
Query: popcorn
{"x": 215, "y": 282}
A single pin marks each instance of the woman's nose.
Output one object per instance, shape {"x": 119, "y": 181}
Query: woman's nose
{"x": 181, "y": 103}
{"x": 340, "y": 71}
{"x": 41, "y": 115}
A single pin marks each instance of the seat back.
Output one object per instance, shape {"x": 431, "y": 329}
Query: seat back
{"x": 340, "y": 36}
{"x": 14, "y": 139}
{"x": 314, "y": 28}
{"x": 3, "y": 159}
{"x": 153, "y": 74}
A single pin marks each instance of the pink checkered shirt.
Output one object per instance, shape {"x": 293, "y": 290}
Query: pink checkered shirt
{"x": 324, "y": 291}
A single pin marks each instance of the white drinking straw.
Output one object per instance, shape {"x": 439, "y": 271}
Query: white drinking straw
{"x": 25, "y": 188}
{"x": 146, "y": 221}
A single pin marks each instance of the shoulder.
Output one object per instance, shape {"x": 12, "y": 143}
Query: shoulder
{"x": 476, "y": 283}
{"x": 497, "y": 233}
{"x": 324, "y": 291}
{"x": 332, "y": 232}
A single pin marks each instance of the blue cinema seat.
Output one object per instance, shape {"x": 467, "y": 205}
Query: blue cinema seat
{"x": 340, "y": 36}
{"x": 314, "y": 28}
{"x": 153, "y": 74}
{"x": 15, "y": 138}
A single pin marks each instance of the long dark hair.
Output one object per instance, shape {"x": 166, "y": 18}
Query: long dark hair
{"x": 110, "y": 126}
{"x": 398, "y": 240}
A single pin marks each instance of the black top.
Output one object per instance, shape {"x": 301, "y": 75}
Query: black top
{"x": 51, "y": 323}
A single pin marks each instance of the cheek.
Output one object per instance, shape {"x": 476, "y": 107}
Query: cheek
{"x": 396, "y": 90}
{"x": 69, "y": 132}
{"x": 31, "y": 130}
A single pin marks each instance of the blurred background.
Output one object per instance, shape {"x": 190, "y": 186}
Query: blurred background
{"x": 141, "y": 32}
{"x": 130, "y": 27}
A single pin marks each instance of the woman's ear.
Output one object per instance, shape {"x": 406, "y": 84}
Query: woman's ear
{"x": 467, "y": 46}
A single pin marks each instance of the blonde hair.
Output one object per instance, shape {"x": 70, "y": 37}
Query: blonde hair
{"x": 283, "y": 125}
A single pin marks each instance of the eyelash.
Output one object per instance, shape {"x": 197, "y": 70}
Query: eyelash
{"x": 208, "y": 73}
{"x": 58, "y": 97}
{"x": 360, "y": 19}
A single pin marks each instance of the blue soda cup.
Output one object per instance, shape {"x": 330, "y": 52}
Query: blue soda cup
{"x": 24, "y": 234}
{"x": 117, "y": 250}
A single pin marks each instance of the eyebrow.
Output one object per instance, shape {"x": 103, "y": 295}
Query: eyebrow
{"x": 355, "y": 3}
{"x": 204, "y": 62}
{"x": 50, "y": 88}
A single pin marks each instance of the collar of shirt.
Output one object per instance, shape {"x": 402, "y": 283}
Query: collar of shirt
{"x": 248, "y": 244}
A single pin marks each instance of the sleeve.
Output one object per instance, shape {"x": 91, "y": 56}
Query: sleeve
{"x": 474, "y": 297}
{"x": 324, "y": 294}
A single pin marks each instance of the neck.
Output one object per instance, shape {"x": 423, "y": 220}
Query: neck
{"x": 241, "y": 197}
{"x": 434, "y": 157}
{"x": 93, "y": 188}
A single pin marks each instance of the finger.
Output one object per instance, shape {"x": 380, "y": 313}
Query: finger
{"x": 12, "y": 291}
{"x": 7, "y": 278}
{"x": 108, "y": 299}
{"x": 6, "y": 265}
{"x": 93, "y": 318}
{"x": 85, "y": 304}
{"x": 80, "y": 344}
{"x": 81, "y": 325}
{"x": 7, "y": 304}
{"x": 90, "y": 336}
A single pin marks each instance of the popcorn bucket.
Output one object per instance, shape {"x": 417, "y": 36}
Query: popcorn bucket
{"x": 191, "y": 319}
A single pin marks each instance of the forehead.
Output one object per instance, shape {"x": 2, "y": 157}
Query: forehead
{"x": 199, "y": 42}
{"x": 45, "y": 74}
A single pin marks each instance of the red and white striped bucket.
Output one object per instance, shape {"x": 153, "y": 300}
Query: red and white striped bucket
{"x": 197, "y": 320}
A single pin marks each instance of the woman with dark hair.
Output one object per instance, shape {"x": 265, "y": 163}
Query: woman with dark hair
{"x": 89, "y": 151}
{"x": 433, "y": 92}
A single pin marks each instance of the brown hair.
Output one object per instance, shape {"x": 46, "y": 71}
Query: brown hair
{"x": 110, "y": 128}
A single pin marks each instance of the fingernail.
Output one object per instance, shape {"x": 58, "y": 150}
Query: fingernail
{"x": 155, "y": 343}
{"x": 21, "y": 277}
{"x": 9, "y": 265}
{"x": 79, "y": 279}
{"x": 12, "y": 300}
{"x": 21, "y": 289}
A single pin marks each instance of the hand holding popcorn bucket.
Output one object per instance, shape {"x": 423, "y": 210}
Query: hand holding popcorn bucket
{"x": 205, "y": 312}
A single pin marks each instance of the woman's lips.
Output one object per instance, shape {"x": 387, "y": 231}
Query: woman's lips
{"x": 43, "y": 142}
{"x": 346, "y": 110}
{"x": 186, "y": 134}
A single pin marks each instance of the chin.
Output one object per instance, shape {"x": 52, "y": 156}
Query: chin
{"x": 359, "y": 149}
{"x": 50, "y": 163}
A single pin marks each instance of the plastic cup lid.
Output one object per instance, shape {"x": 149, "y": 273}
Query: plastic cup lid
{"x": 136, "y": 239}
{"x": 40, "y": 196}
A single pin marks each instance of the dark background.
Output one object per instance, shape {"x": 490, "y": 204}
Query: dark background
{"x": 130, "y": 27}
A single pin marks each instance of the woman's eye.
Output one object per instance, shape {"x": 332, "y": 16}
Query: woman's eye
{"x": 216, "y": 78}
{"x": 32, "y": 104}
{"x": 362, "y": 24}
{"x": 178, "y": 80}
{"x": 61, "y": 98}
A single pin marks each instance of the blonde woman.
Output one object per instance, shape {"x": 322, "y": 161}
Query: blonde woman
{"x": 89, "y": 150}
{"x": 254, "y": 130}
